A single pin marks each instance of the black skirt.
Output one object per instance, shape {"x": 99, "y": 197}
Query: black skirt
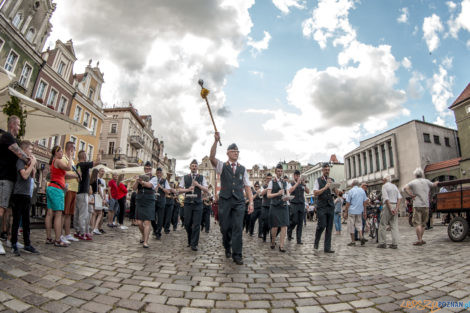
{"x": 279, "y": 215}
{"x": 145, "y": 206}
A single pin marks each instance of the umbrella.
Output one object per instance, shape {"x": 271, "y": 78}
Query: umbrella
{"x": 41, "y": 122}
{"x": 102, "y": 166}
{"x": 5, "y": 77}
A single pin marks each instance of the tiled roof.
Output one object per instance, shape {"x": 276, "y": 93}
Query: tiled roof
{"x": 442, "y": 165}
{"x": 465, "y": 95}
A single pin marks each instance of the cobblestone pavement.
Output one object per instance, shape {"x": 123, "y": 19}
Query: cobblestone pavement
{"x": 114, "y": 273}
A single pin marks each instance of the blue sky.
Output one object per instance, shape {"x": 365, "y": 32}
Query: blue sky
{"x": 300, "y": 79}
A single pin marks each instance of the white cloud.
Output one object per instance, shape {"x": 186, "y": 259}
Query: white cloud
{"x": 403, "y": 18}
{"x": 468, "y": 44}
{"x": 462, "y": 21}
{"x": 257, "y": 73}
{"x": 441, "y": 90}
{"x": 330, "y": 19}
{"x": 432, "y": 26}
{"x": 415, "y": 87}
{"x": 285, "y": 5}
{"x": 451, "y": 5}
{"x": 440, "y": 121}
{"x": 447, "y": 62}
{"x": 158, "y": 58}
{"x": 406, "y": 63}
{"x": 258, "y": 46}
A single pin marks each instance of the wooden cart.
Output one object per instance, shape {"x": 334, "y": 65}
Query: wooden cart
{"x": 457, "y": 202}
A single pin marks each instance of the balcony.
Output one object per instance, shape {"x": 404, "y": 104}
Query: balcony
{"x": 133, "y": 161}
{"x": 137, "y": 142}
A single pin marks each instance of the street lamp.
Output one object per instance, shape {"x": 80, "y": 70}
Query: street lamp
{"x": 117, "y": 156}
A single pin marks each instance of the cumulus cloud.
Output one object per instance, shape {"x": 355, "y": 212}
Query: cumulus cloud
{"x": 257, "y": 73}
{"x": 415, "y": 88}
{"x": 432, "y": 26}
{"x": 330, "y": 20}
{"x": 406, "y": 63}
{"x": 162, "y": 49}
{"x": 441, "y": 90}
{"x": 260, "y": 45}
{"x": 403, "y": 18}
{"x": 461, "y": 21}
{"x": 285, "y": 5}
{"x": 451, "y": 5}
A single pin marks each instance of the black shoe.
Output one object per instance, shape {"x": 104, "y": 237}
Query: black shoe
{"x": 158, "y": 237}
{"x": 102, "y": 231}
{"x": 238, "y": 261}
{"x": 15, "y": 250}
{"x": 3, "y": 236}
{"x": 31, "y": 249}
{"x": 289, "y": 238}
{"x": 282, "y": 250}
{"x": 315, "y": 246}
{"x": 260, "y": 236}
{"x": 167, "y": 232}
{"x": 382, "y": 246}
{"x": 273, "y": 245}
{"x": 264, "y": 238}
{"x": 194, "y": 248}
{"x": 228, "y": 255}
{"x": 251, "y": 235}
{"x": 363, "y": 241}
{"x": 300, "y": 243}
{"x": 329, "y": 251}
{"x": 207, "y": 231}
{"x": 174, "y": 228}
{"x": 393, "y": 246}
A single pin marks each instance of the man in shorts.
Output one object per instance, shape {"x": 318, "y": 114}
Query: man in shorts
{"x": 356, "y": 202}
{"x": 418, "y": 189}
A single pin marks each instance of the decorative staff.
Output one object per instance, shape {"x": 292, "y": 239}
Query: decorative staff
{"x": 204, "y": 93}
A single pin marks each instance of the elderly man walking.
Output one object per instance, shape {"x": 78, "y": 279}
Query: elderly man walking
{"x": 391, "y": 199}
{"x": 419, "y": 189}
{"x": 356, "y": 202}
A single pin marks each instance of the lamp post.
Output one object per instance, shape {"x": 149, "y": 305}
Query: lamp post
{"x": 117, "y": 156}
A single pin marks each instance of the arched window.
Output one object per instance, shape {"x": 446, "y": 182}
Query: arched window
{"x": 30, "y": 34}
{"x": 17, "y": 19}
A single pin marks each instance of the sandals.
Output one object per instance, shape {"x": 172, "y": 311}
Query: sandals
{"x": 145, "y": 246}
{"x": 49, "y": 241}
{"x": 273, "y": 245}
{"x": 419, "y": 243}
{"x": 282, "y": 249}
{"x": 60, "y": 244}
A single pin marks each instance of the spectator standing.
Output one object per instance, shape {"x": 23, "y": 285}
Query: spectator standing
{"x": 113, "y": 197}
{"x": 356, "y": 202}
{"x": 98, "y": 198}
{"x": 71, "y": 183}
{"x": 418, "y": 189}
{"x": 338, "y": 210}
{"x": 391, "y": 198}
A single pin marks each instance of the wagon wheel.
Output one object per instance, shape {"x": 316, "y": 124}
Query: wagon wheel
{"x": 458, "y": 229}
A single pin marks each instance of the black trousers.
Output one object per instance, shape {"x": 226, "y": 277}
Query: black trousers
{"x": 192, "y": 222}
{"x": 256, "y": 215}
{"x": 264, "y": 221}
{"x": 122, "y": 209}
{"x": 158, "y": 223}
{"x": 174, "y": 214}
{"x": 246, "y": 220}
{"x": 231, "y": 216}
{"x": 296, "y": 220}
{"x": 206, "y": 218}
{"x": 325, "y": 222}
{"x": 21, "y": 207}
{"x": 167, "y": 214}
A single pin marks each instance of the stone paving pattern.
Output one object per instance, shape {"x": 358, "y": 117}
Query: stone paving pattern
{"x": 115, "y": 274}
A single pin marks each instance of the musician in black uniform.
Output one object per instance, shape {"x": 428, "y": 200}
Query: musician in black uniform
{"x": 266, "y": 202}
{"x": 145, "y": 202}
{"x": 234, "y": 180}
{"x": 206, "y": 212}
{"x": 163, "y": 190}
{"x": 297, "y": 204}
{"x": 176, "y": 206}
{"x": 169, "y": 202}
{"x": 325, "y": 208}
{"x": 256, "y": 215}
{"x": 193, "y": 185}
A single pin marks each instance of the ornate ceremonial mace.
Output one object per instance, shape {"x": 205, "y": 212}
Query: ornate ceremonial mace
{"x": 204, "y": 93}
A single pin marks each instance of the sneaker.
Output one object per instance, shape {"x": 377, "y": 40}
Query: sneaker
{"x": 2, "y": 250}
{"x": 69, "y": 237}
{"x": 96, "y": 232}
{"x": 64, "y": 240}
{"x": 31, "y": 249}
{"x": 122, "y": 227}
{"x": 382, "y": 246}
{"x": 15, "y": 250}
{"x": 18, "y": 245}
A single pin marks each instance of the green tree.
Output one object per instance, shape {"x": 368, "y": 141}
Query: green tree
{"x": 13, "y": 107}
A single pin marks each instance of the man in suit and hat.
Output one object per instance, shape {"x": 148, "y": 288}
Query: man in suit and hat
{"x": 234, "y": 180}
{"x": 162, "y": 191}
{"x": 193, "y": 186}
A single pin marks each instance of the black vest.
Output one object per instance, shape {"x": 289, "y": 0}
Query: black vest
{"x": 256, "y": 200}
{"x": 188, "y": 181}
{"x": 266, "y": 201}
{"x": 232, "y": 184}
{"x": 278, "y": 200}
{"x": 299, "y": 194}
{"x": 141, "y": 188}
{"x": 161, "y": 193}
{"x": 326, "y": 198}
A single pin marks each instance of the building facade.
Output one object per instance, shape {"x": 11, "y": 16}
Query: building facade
{"x": 461, "y": 109}
{"x": 312, "y": 173}
{"x": 398, "y": 152}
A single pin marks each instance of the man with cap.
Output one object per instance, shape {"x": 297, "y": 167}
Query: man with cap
{"x": 193, "y": 185}
{"x": 234, "y": 180}
{"x": 169, "y": 202}
{"x": 163, "y": 188}
{"x": 325, "y": 208}
{"x": 297, "y": 206}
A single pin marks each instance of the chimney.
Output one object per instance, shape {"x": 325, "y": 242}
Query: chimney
{"x": 424, "y": 119}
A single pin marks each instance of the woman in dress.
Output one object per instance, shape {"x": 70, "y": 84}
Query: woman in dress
{"x": 145, "y": 202}
{"x": 278, "y": 210}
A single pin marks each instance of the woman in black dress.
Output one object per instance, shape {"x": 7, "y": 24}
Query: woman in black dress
{"x": 145, "y": 202}
{"x": 278, "y": 210}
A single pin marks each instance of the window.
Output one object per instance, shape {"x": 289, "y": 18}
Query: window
{"x": 94, "y": 121}
{"x": 78, "y": 114}
{"x": 377, "y": 160}
{"x": 61, "y": 68}
{"x": 62, "y": 105}
{"x": 437, "y": 141}
{"x": 111, "y": 147}
{"x": 467, "y": 108}
{"x": 90, "y": 153}
{"x": 11, "y": 61}
{"x": 447, "y": 141}
{"x": 390, "y": 153}
{"x": 30, "y": 35}
{"x": 54, "y": 141}
{"x": 113, "y": 128}
{"x": 40, "y": 92}
{"x": 86, "y": 119}
{"x": 17, "y": 20}
{"x": 42, "y": 142}
{"x": 52, "y": 97}
{"x": 82, "y": 146}
{"x": 90, "y": 93}
{"x": 25, "y": 75}
{"x": 427, "y": 137}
